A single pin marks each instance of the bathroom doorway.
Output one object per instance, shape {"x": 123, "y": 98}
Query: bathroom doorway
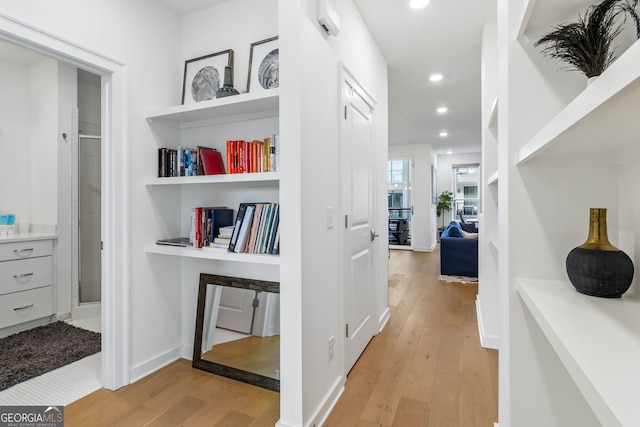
{"x": 87, "y": 194}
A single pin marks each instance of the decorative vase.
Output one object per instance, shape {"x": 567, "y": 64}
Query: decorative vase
{"x": 227, "y": 89}
{"x": 597, "y": 267}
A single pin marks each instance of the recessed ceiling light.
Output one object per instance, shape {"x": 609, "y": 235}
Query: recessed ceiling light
{"x": 443, "y": 134}
{"x": 435, "y": 77}
{"x": 449, "y": 152}
{"x": 442, "y": 110}
{"x": 418, "y": 4}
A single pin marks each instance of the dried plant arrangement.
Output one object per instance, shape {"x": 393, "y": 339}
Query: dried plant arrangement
{"x": 586, "y": 45}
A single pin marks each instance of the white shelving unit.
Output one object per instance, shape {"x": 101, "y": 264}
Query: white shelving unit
{"x": 238, "y": 178}
{"x": 570, "y": 356}
{"x": 586, "y": 125}
{"x": 207, "y": 114}
{"x": 493, "y": 179}
{"x": 220, "y": 255}
{"x": 232, "y": 108}
{"x": 597, "y": 340}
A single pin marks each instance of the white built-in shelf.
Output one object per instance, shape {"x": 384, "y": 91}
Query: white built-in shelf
{"x": 493, "y": 179}
{"x": 220, "y": 110}
{"x": 493, "y": 242}
{"x": 268, "y": 178}
{"x": 597, "y": 340}
{"x": 213, "y": 254}
{"x": 541, "y": 15}
{"x": 493, "y": 119}
{"x": 602, "y": 119}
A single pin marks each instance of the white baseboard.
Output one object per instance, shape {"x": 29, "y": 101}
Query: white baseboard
{"x": 150, "y": 366}
{"x": 382, "y": 321}
{"x": 323, "y": 411}
{"x": 486, "y": 341}
{"x": 427, "y": 249}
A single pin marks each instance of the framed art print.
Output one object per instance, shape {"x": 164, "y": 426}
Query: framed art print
{"x": 264, "y": 65}
{"x": 204, "y": 75}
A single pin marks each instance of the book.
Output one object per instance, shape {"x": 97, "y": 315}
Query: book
{"x": 241, "y": 240}
{"x": 226, "y": 231}
{"x": 222, "y": 240}
{"x": 175, "y": 241}
{"x": 238, "y": 223}
{"x": 212, "y": 163}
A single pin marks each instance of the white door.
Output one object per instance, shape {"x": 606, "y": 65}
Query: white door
{"x": 235, "y": 311}
{"x": 357, "y": 202}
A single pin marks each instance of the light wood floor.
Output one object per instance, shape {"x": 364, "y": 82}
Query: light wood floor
{"x": 254, "y": 354}
{"x": 425, "y": 369}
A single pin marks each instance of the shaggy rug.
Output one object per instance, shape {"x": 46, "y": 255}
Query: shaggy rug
{"x": 31, "y": 353}
{"x": 458, "y": 279}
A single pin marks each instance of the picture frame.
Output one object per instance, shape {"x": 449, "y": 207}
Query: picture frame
{"x": 434, "y": 185}
{"x": 264, "y": 65}
{"x": 204, "y": 75}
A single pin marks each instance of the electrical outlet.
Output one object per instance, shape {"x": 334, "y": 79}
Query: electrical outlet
{"x": 331, "y": 345}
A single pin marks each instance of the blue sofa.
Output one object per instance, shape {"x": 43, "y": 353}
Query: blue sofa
{"x": 458, "y": 255}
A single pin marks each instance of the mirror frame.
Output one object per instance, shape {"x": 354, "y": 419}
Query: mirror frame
{"x": 227, "y": 371}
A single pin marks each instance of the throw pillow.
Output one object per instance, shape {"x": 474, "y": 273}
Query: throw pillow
{"x": 469, "y": 235}
{"x": 454, "y": 232}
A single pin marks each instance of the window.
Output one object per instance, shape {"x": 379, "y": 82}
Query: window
{"x": 465, "y": 189}
{"x": 399, "y": 199}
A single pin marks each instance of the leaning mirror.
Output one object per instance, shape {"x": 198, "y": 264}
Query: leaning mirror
{"x": 238, "y": 329}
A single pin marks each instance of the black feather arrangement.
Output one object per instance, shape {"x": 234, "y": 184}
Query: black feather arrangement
{"x": 586, "y": 45}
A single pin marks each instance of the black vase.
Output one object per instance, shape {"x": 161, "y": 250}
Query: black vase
{"x": 597, "y": 267}
{"x": 227, "y": 89}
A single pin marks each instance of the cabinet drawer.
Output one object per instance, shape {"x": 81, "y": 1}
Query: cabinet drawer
{"x": 24, "y": 306}
{"x": 24, "y": 274}
{"x": 22, "y": 250}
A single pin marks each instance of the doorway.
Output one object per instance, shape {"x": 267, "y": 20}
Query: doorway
{"x": 399, "y": 177}
{"x": 358, "y": 201}
{"x": 115, "y": 253}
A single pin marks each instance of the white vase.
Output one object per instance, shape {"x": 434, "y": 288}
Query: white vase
{"x": 591, "y": 80}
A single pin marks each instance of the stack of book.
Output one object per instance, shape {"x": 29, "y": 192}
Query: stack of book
{"x": 189, "y": 162}
{"x": 223, "y": 239}
{"x": 206, "y": 223}
{"x": 253, "y": 156}
{"x": 257, "y": 229}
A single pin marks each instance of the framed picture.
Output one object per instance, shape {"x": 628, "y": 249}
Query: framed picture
{"x": 434, "y": 186}
{"x": 264, "y": 65}
{"x": 204, "y": 75}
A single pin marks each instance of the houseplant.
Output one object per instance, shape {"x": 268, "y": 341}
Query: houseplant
{"x": 445, "y": 203}
{"x": 586, "y": 45}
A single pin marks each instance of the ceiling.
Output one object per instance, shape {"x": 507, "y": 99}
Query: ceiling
{"x": 443, "y": 37}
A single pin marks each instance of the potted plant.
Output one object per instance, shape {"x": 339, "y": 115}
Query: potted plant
{"x": 445, "y": 203}
{"x": 586, "y": 45}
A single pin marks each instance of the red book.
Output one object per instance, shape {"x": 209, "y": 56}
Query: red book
{"x": 211, "y": 161}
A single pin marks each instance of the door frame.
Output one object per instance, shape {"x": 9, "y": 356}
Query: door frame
{"x": 411, "y": 167}
{"x": 344, "y": 74}
{"x": 115, "y": 192}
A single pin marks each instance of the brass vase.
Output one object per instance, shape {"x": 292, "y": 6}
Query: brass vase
{"x": 597, "y": 267}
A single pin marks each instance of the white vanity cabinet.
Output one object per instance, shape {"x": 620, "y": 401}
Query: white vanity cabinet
{"x": 26, "y": 280}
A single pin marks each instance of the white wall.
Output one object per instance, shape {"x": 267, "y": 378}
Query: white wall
{"x": 310, "y": 63}
{"x": 15, "y": 177}
{"x": 144, "y": 37}
{"x": 445, "y": 176}
{"x": 423, "y": 232}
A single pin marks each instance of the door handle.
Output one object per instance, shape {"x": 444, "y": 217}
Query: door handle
{"x": 374, "y": 235}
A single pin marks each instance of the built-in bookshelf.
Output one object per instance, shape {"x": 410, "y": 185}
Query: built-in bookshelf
{"x": 173, "y": 125}
{"x": 560, "y": 345}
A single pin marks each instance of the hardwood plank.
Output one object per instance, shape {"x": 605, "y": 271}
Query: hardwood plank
{"x": 412, "y": 412}
{"x": 140, "y": 416}
{"x": 447, "y": 399}
{"x": 178, "y": 412}
{"x": 358, "y": 389}
{"x": 425, "y": 369}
